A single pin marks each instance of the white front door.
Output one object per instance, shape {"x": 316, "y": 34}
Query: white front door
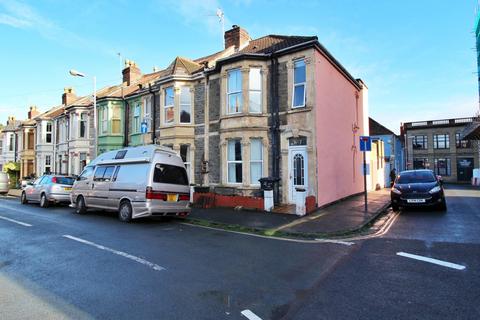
{"x": 297, "y": 171}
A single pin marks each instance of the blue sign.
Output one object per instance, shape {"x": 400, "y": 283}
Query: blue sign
{"x": 365, "y": 143}
{"x": 144, "y": 127}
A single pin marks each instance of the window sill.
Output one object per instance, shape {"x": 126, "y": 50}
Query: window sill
{"x": 240, "y": 115}
{"x": 299, "y": 110}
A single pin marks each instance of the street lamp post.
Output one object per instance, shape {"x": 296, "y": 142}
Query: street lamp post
{"x": 75, "y": 73}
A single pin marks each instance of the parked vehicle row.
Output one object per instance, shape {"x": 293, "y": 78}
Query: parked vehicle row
{"x": 136, "y": 182}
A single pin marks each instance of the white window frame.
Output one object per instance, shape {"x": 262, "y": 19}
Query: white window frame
{"x": 188, "y": 105}
{"x": 234, "y": 161}
{"x": 47, "y": 133}
{"x": 12, "y": 142}
{"x": 147, "y": 111}
{"x": 119, "y": 118}
{"x": 256, "y": 161}
{"x": 299, "y": 84}
{"x": 48, "y": 164}
{"x": 83, "y": 114}
{"x": 105, "y": 119}
{"x": 188, "y": 162}
{"x": 250, "y": 90}
{"x": 235, "y": 92}
{"x": 137, "y": 111}
{"x": 165, "y": 106}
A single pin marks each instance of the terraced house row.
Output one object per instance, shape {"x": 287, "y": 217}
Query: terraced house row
{"x": 279, "y": 106}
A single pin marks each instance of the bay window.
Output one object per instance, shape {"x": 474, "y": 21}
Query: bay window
{"x": 234, "y": 161}
{"x": 234, "y": 92}
{"x": 116, "y": 120}
{"x": 256, "y": 160}
{"x": 136, "y": 118}
{"x": 168, "y": 106}
{"x": 185, "y": 105}
{"x": 147, "y": 102}
{"x": 105, "y": 119}
{"x": 255, "y": 90}
{"x": 299, "y": 83}
{"x": 83, "y": 125}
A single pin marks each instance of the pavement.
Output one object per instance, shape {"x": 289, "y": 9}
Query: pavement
{"x": 346, "y": 216}
{"x": 55, "y": 264}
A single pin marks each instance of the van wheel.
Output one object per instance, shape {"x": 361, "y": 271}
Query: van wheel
{"x": 125, "y": 211}
{"x": 43, "y": 201}
{"x": 23, "y": 198}
{"x": 80, "y": 206}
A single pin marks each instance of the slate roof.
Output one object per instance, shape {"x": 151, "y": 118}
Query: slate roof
{"x": 272, "y": 43}
{"x": 12, "y": 126}
{"x": 376, "y": 129}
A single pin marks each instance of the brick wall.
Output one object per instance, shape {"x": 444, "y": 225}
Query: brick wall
{"x": 214, "y": 100}
{"x": 214, "y": 159}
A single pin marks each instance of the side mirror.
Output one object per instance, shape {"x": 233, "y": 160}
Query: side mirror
{"x": 30, "y": 183}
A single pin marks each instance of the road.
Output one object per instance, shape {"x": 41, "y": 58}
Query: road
{"x": 55, "y": 264}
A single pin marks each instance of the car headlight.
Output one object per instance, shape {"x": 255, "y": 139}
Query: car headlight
{"x": 396, "y": 191}
{"x": 435, "y": 190}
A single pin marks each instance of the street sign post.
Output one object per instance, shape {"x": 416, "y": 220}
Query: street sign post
{"x": 365, "y": 145}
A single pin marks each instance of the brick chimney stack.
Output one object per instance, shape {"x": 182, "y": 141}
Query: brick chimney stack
{"x": 68, "y": 96}
{"x": 33, "y": 112}
{"x": 237, "y": 37}
{"x": 11, "y": 120}
{"x": 131, "y": 72}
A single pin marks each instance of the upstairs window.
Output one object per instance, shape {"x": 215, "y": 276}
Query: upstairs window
{"x": 168, "y": 106}
{"x": 105, "y": 119}
{"x": 83, "y": 125}
{"x": 148, "y": 111}
{"x": 234, "y": 161}
{"x": 255, "y": 90}
{"x": 136, "y": 118}
{"x": 441, "y": 141}
{"x": 185, "y": 105}
{"x": 116, "y": 120}
{"x": 462, "y": 144}
{"x": 420, "y": 142}
{"x": 234, "y": 92}
{"x": 299, "y": 83}
{"x": 48, "y": 136}
{"x": 12, "y": 142}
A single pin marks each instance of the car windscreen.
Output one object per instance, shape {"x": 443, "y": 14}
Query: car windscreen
{"x": 416, "y": 177}
{"x": 65, "y": 180}
{"x": 165, "y": 173}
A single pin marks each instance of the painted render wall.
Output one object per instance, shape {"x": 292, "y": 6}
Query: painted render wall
{"x": 338, "y": 162}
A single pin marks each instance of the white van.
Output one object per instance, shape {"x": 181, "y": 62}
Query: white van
{"x": 4, "y": 182}
{"x": 136, "y": 182}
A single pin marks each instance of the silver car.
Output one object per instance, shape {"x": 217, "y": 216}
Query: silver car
{"x": 48, "y": 189}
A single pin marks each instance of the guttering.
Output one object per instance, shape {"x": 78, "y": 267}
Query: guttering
{"x": 275, "y": 126}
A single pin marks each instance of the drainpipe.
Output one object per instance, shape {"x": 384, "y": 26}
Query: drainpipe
{"x": 125, "y": 129}
{"x": 275, "y": 128}
{"x": 154, "y": 114}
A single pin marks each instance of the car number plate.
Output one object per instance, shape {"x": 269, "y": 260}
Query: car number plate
{"x": 172, "y": 197}
{"x": 416, "y": 200}
{"x": 67, "y": 189}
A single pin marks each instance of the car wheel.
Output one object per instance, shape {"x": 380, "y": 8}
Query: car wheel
{"x": 395, "y": 207}
{"x": 23, "y": 198}
{"x": 80, "y": 206}
{"x": 125, "y": 211}
{"x": 43, "y": 201}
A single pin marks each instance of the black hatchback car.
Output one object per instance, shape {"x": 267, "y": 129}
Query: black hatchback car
{"x": 418, "y": 188}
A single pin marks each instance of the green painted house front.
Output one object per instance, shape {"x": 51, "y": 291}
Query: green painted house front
{"x": 111, "y": 124}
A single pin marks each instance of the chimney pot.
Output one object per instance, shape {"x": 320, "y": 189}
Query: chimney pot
{"x": 131, "y": 72}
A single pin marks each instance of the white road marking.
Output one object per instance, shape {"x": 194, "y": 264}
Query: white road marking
{"x": 346, "y": 243}
{"x": 120, "y": 253}
{"x": 16, "y": 221}
{"x": 431, "y": 260}
{"x": 250, "y": 315}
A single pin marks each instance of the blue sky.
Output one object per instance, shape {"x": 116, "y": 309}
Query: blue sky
{"x": 416, "y": 57}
